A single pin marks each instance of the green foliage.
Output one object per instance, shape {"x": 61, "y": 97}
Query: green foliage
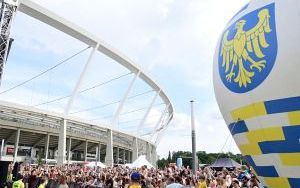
{"x": 162, "y": 163}
{"x": 203, "y": 158}
{"x": 39, "y": 157}
{"x": 169, "y": 157}
{"x": 186, "y": 157}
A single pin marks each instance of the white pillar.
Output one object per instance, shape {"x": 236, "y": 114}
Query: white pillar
{"x": 163, "y": 129}
{"x": 160, "y": 120}
{"x": 154, "y": 156}
{"x": 109, "y": 149}
{"x": 147, "y": 112}
{"x": 124, "y": 156}
{"x": 63, "y": 130}
{"x": 130, "y": 156}
{"x": 135, "y": 149}
{"x": 120, "y": 107}
{"x": 47, "y": 147}
{"x": 99, "y": 153}
{"x": 85, "y": 150}
{"x": 148, "y": 152}
{"x": 61, "y": 155}
{"x": 2, "y": 149}
{"x": 79, "y": 82}
{"x": 118, "y": 155}
{"x": 69, "y": 151}
{"x": 16, "y": 145}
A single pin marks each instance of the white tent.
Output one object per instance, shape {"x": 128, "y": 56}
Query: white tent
{"x": 141, "y": 161}
{"x": 94, "y": 164}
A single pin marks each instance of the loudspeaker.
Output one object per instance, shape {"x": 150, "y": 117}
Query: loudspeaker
{"x": 3, "y": 171}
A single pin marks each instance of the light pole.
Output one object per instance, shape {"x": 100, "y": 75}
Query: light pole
{"x": 193, "y": 138}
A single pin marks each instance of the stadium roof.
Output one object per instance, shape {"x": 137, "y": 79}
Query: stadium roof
{"x": 72, "y": 84}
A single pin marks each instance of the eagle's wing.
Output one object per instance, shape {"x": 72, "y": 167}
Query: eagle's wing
{"x": 256, "y": 36}
{"x": 227, "y": 51}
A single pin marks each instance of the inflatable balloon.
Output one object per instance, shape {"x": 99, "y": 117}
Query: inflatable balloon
{"x": 257, "y": 86}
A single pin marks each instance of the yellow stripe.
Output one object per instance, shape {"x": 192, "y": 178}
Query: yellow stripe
{"x": 279, "y": 182}
{"x": 268, "y": 134}
{"x": 250, "y": 111}
{"x": 250, "y": 149}
{"x": 260, "y": 135}
{"x": 294, "y": 118}
{"x": 290, "y": 159}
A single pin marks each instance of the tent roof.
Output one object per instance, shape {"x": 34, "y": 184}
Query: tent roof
{"x": 94, "y": 164}
{"x": 225, "y": 162}
{"x": 141, "y": 161}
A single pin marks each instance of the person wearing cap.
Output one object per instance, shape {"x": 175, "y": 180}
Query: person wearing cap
{"x": 19, "y": 183}
{"x": 135, "y": 180}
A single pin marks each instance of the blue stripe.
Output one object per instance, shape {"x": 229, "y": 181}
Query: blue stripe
{"x": 266, "y": 171}
{"x": 283, "y": 105}
{"x": 294, "y": 182}
{"x": 238, "y": 127}
{"x": 290, "y": 145}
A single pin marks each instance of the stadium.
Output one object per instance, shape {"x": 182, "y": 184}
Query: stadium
{"x": 59, "y": 129}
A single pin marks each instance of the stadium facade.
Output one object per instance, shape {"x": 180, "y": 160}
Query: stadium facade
{"x": 32, "y": 134}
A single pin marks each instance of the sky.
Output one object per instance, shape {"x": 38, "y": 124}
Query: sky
{"x": 173, "y": 40}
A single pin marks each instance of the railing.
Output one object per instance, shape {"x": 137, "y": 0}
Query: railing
{"x": 24, "y": 117}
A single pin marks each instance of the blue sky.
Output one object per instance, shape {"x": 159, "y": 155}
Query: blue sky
{"x": 172, "y": 40}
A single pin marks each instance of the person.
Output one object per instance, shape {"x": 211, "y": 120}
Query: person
{"x": 173, "y": 183}
{"x": 43, "y": 182}
{"x": 254, "y": 182}
{"x": 19, "y": 183}
{"x": 9, "y": 177}
{"x": 148, "y": 183}
{"x": 221, "y": 183}
{"x": 62, "y": 182}
{"x": 235, "y": 183}
{"x": 202, "y": 182}
{"x": 33, "y": 180}
{"x": 109, "y": 183}
{"x": 135, "y": 180}
{"x": 228, "y": 180}
{"x": 213, "y": 183}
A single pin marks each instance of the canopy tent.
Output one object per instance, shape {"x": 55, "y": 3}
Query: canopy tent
{"x": 94, "y": 164}
{"x": 225, "y": 163}
{"x": 141, "y": 161}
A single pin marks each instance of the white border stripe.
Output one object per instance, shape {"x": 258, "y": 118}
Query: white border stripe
{"x": 267, "y": 121}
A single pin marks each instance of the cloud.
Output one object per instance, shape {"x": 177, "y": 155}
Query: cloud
{"x": 173, "y": 40}
{"x": 212, "y": 134}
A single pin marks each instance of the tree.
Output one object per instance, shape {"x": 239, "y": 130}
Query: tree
{"x": 203, "y": 158}
{"x": 169, "y": 157}
{"x": 39, "y": 157}
{"x": 186, "y": 157}
{"x": 162, "y": 163}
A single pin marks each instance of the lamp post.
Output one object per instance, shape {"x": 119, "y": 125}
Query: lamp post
{"x": 193, "y": 138}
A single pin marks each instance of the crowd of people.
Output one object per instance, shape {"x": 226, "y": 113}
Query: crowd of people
{"x": 76, "y": 176}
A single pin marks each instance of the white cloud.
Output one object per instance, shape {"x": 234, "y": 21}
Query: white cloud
{"x": 174, "y": 40}
{"x": 211, "y": 134}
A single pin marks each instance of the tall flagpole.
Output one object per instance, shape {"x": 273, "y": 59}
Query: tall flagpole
{"x": 193, "y": 138}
